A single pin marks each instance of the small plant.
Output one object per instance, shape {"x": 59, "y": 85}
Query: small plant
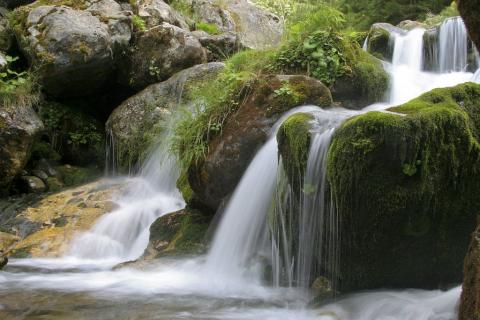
{"x": 139, "y": 24}
{"x": 207, "y": 27}
{"x": 17, "y": 88}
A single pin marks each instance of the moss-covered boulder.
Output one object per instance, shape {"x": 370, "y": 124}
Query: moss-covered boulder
{"x": 293, "y": 145}
{"x": 469, "y": 308}
{"x": 138, "y": 120}
{"x": 6, "y": 36}
{"x": 378, "y": 41}
{"x": 229, "y": 154}
{"x": 19, "y": 128}
{"x": 179, "y": 233}
{"x": 42, "y": 226}
{"x": 72, "y": 44}
{"x": 158, "y": 53}
{"x": 405, "y": 188}
{"x": 366, "y": 84}
{"x": 470, "y": 11}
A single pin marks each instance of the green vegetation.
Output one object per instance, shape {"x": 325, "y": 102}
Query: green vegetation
{"x": 450, "y": 11}
{"x": 207, "y": 27}
{"x": 17, "y": 89}
{"x": 139, "y": 24}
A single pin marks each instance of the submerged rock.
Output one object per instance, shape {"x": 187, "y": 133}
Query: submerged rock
{"x": 404, "y": 185}
{"x": 19, "y": 127}
{"x": 43, "y": 226}
{"x": 215, "y": 177}
{"x": 138, "y": 120}
{"x": 158, "y": 53}
{"x": 74, "y": 49}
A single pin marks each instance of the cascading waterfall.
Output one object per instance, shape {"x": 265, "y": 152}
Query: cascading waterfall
{"x": 305, "y": 224}
{"x": 123, "y": 233}
{"x": 453, "y": 46}
{"x": 242, "y": 234}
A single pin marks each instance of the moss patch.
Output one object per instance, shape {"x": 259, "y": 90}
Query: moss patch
{"x": 405, "y": 189}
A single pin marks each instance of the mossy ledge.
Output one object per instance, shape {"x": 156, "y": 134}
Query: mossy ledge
{"x": 293, "y": 145}
{"x": 405, "y": 186}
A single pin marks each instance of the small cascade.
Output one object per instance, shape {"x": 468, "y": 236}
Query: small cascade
{"x": 242, "y": 234}
{"x": 476, "y": 76}
{"x": 453, "y": 46}
{"x": 123, "y": 234}
{"x": 304, "y": 226}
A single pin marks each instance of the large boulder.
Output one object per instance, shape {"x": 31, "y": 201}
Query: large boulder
{"x": 216, "y": 176}
{"x": 469, "y": 9}
{"x": 43, "y": 226}
{"x": 470, "y": 300}
{"x": 405, "y": 188}
{"x": 19, "y": 128}
{"x": 74, "y": 49}
{"x": 139, "y": 119}
{"x": 158, "y": 53}
{"x": 255, "y": 27}
{"x": 366, "y": 84}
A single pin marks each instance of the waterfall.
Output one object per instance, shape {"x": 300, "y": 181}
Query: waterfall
{"x": 453, "y": 45}
{"x": 305, "y": 238}
{"x": 123, "y": 234}
{"x": 242, "y": 234}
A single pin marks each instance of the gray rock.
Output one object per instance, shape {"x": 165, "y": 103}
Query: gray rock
{"x": 410, "y": 25}
{"x": 3, "y": 262}
{"x": 47, "y": 167}
{"x": 31, "y": 184}
{"x": 40, "y": 174}
{"x": 156, "y": 12}
{"x": 158, "y": 53}
{"x": 219, "y": 47}
{"x": 19, "y": 127}
{"x": 255, "y": 27}
{"x": 140, "y": 117}
{"x": 75, "y": 51}
{"x": 3, "y": 62}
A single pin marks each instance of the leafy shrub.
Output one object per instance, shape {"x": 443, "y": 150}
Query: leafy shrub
{"x": 17, "y": 88}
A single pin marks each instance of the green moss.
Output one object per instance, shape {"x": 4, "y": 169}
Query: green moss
{"x": 139, "y": 24}
{"x": 405, "y": 188}
{"x": 207, "y": 27}
{"x": 181, "y": 233}
{"x": 72, "y": 176}
{"x": 448, "y": 12}
{"x": 294, "y": 143}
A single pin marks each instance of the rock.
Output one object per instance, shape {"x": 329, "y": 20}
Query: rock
{"x": 3, "y": 262}
{"x": 47, "y": 167}
{"x": 255, "y": 27}
{"x": 156, "y": 12}
{"x": 378, "y": 43}
{"x": 6, "y": 38}
{"x": 367, "y": 83}
{"x": 137, "y": 120}
{"x": 73, "y": 49}
{"x": 293, "y": 145}
{"x": 3, "y": 62}
{"x": 216, "y": 176}
{"x": 32, "y": 184}
{"x": 40, "y": 174}
{"x": 58, "y": 217}
{"x": 219, "y": 46}
{"x": 11, "y": 4}
{"x": 178, "y": 233}
{"x": 470, "y": 300}
{"x": 54, "y": 184}
{"x": 469, "y": 10}
{"x": 410, "y": 25}
{"x": 404, "y": 185}
{"x": 19, "y": 127}
{"x": 7, "y": 241}
{"x": 158, "y": 53}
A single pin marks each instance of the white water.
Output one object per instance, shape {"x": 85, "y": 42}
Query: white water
{"x": 453, "y": 44}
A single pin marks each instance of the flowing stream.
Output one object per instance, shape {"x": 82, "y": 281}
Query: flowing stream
{"x": 230, "y": 282}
